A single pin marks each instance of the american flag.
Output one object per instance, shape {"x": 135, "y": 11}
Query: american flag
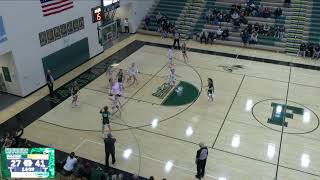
{"x": 50, "y": 7}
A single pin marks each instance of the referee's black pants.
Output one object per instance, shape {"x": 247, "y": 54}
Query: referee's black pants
{"x": 176, "y": 41}
{"x": 107, "y": 158}
{"x": 201, "y": 165}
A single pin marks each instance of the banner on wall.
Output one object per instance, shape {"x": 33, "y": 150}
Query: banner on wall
{"x": 3, "y": 36}
{"x": 61, "y": 31}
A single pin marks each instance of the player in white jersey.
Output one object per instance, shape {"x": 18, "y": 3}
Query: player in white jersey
{"x": 170, "y": 57}
{"x": 116, "y": 90}
{"x": 132, "y": 72}
{"x": 172, "y": 77}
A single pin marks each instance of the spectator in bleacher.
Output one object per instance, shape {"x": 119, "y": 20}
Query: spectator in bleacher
{"x": 225, "y": 34}
{"x": 151, "y": 178}
{"x": 146, "y": 22}
{"x": 7, "y": 140}
{"x": 158, "y": 18}
{"x": 176, "y": 37}
{"x": 266, "y": 13}
{"x": 260, "y": 10}
{"x": 163, "y": 29}
{"x": 70, "y": 164}
{"x": 278, "y": 12}
{"x": 238, "y": 7}
{"x": 235, "y": 16}
{"x": 120, "y": 177}
{"x": 249, "y": 2}
{"x": 316, "y": 53}
{"x": 227, "y": 17}
{"x": 236, "y": 24}
{"x": 247, "y": 11}
{"x": 254, "y": 38}
{"x": 287, "y": 3}
{"x": 135, "y": 177}
{"x": 277, "y": 32}
{"x": 242, "y": 19}
{"x": 245, "y": 37}
{"x": 17, "y": 137}
{"x": 204, "y": 36}
{"x": 254, "y": 11}
{"x": 171, "y": 27}
{"x": 219, "y": 32}
{"x": 209, "y": 15}
{"x": 249, "y": 28}
{"x": 214, "y": 12}
{"x": 211, "y": 36}
{"x": 302, "y": 50}
{"x": 282, "y": 31}
{"x": 85, "y": 170}
{"x": 233, "y": 8}
{"x": 309, "y": 50}
{"x": 218, "y": 19}
{"x": 256, "y": 27}
{"x": 4, "y": 136}
{"x": 266, "y": 29}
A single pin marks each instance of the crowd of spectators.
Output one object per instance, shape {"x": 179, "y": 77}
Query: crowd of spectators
{"x": 165, "y": 26}
{"x": 211, "y": 35}
{"x": 237, "y": 15}
{"x": 251, "y": 32}
{"x": 14, "y": 140}
{"x": 309, "y": 50}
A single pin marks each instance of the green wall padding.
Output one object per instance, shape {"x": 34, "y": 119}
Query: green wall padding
{"x": 67, "y": 58}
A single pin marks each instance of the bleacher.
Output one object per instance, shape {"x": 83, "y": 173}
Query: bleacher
{"x": 171, "y": 8}
{"x": 301, "y": 21}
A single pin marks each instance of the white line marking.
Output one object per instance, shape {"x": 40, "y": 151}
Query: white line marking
{"x": 84, "y": 141}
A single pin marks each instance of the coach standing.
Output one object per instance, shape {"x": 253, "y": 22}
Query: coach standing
{"x": 50, "y": 81}
{"x": 201, "y": 160}
{"x": 109, "y": 148}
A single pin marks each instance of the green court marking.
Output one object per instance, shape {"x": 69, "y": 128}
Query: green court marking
{"x": 281, "y": 110}
{"x": 187, "y": 94}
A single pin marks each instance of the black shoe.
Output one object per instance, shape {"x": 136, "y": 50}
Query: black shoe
{"x": 197, "y": 176}
{"x": 113, "y": 162}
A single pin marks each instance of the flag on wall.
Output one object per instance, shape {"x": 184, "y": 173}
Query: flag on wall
{"x": 3, "y": 36}
{"x": 50, "y": 7}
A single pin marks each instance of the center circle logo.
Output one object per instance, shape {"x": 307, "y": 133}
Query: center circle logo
{"x": 295, "y": 117}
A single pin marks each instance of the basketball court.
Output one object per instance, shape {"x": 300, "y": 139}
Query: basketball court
{"x": 159, "y": 136}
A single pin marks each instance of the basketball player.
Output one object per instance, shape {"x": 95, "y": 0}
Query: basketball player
{"x": 109, "y": 75}
{"x": 120, "y": 77}
{"x": 170, "y": 57}
{"x": 74, "y": 90}
{"x": 210, "y": 89}
{"x": 172, "y": 77}
{"x": 116, "y": 90}
{"x": 133, "y": 71}
{"x": 184, "y": 52}
{"x": 105, "y": 119}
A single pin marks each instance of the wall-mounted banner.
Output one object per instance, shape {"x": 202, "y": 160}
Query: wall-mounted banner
{"x": 58, "y": 32}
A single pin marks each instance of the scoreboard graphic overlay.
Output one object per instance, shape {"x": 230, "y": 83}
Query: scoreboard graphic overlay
{"x": 27, "y": 162}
